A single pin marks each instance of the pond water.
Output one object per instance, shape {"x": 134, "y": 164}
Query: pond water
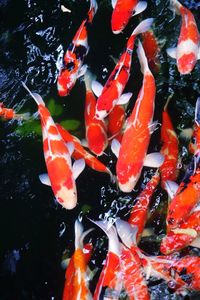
{"x": 35, "y": 230}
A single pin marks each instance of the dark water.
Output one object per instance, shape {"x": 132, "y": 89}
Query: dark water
{"x": 32, "y": 235}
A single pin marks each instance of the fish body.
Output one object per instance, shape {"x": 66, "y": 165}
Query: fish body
{"x": 186, "y": 197}
{"x": 187, "y": 51}
{"x": 123, "y": 11}
{"x": 152, "y": 50}
{"x": 137, "y": 133}
{"x": 169, "y": 149}
{"x": 116, "y": 120}
{"x": 138, "y": 214}
{"x": 75, "y": 54}
{"x": 96, "y": 131}
{"x": 182, "y": 236}
{"x": 79, "y": 152}
{"x": 76, "y": 281}
{"x": 9, "y": 113}
{"x": 111, "y": 93}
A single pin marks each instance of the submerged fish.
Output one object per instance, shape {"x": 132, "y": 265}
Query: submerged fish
{"x": 188, "y": 51}
{"x": 73, "y": 59}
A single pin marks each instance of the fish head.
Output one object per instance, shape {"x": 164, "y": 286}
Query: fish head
{"x": 66, "y": 81}
{"x": 66, "y": 197}
{"x": 100, "y": 114}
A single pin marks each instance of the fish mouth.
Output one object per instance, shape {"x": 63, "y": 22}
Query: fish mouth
{"x": 100, "y": 114}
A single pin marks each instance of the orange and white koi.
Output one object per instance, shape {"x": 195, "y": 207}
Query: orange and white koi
{"x": 132, "y": 270}
{"x": 116, "y": 120}
{"x": 182, "y": 236}
{"x": 187, "y": 52}
{"x": 169, "y": 148}
{"x": 9, "y": 113}
{"x": 111, "y": 93}
{"x": 109, "y": 284}
{"x": 152, "y": 50}
{"x": 132, "y": 152}
{"x": 186, "y": 197}
{"x": 96, "y": 131}
{"x": 123, "y": 11}
{"x": 73, "y": 59}
{"x": 138, "y": 214}
{"x": 76, "y": 279}
{"x": 79, "y": 152}
{"x": 61, "y": 175}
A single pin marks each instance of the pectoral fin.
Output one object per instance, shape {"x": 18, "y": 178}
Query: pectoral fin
{"x": 97, "y": 88}
{"x": 154, "y": 160}
{"x": 172, "y": 52}
{"x": 140, "y": 7}
{"x": 44, "y": 178}
{"x": 115, "y": 147}
{"x": 124, "y": 98}
{"x": 78, "y": 167}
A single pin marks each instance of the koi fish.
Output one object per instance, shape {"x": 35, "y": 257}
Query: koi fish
{"x": 138, "y": 214}
{"x": 76, "y": 279}
{"x": 132, "y": 152}
{"x": 111, "y": 93}
{"x": 96, "y": 135}
{"x": 123, "y": 11}
{"x": 194, "y": 146}
{"x": 73, "y": 59}
{"x": 116, "y": 120}
{"x": 185, "y": 197}
{"x": 152, "y": 50}
{"x": 182, "y": 236}
{"x": 132, "y": 269}
{"x": 187, "y": 52}
{"x": 169, "y": 148}
{"x": 79, "y": 152}
{"x": 9, "y": 113}
{"x": 61, "y": 175}
{"x": 109, "y": 284}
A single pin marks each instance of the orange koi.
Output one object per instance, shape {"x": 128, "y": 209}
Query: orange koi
{"x": 116, "y": 120}
{"x": 76, "y": 279}
{"x": 110, "y": 283}
{"x": 169, "y": 148}
{"x": 79, "y": 152}
{"x": 138, "y": 214}
{"x": 9, "y": 113}
{"x": 61, "y": 175}
{"x": 96, "y": 135}
{"x": 182, "y": 236}
{"x": 132, "y": 152}
{"x": 152, "y": 50}
{"x": 187, "y": 51}
{"x": 73, "y": 59}
{"x": 186, "y": 196}
{"x": 111, "y": 93}
{"x": 123, "y": 11}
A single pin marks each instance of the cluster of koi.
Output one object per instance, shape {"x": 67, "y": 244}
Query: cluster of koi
{"x": 126, "y": 267}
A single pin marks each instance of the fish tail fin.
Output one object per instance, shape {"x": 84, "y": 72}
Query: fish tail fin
{"x": 88, "y": 78}
{"x": 25, "y": 116}
{"x": 197, "y": 112}
{"x": 79, "y": 234}
{"x": 143, "y": 26}
{"x": 38, "y": 99}
{"x": 92, "y": 10}
{"x": 126, "y": 232}
{"x": 142, "y": 58}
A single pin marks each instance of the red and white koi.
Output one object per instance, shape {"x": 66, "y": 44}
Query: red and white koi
{"x": 123, "y": 11}
{"x": 79, "y": 152}
{"x": 152, "y": 50}
{"x": 76, "y": 278}
{"x": 9, "y": 113}
{"x": 132, "y": 152}
{"x": 169, "y": 149}
{"x": 111, "y": 93}
{"x": 116, "y": 120}
{"x": 109, "y": 284}
{"x": 61, "y": 175}
{"x": 188, "y": 51}
{"x": 139, "y": 212}
{"x": 96, "y": 131}
{"x": 73, "y": 59}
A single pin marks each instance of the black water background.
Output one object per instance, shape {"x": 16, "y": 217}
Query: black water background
{"x": 32, "y": 32}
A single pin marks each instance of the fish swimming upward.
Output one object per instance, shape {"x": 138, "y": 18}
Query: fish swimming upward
{"x": 123, "y": 11}
{"x": 61, "y": 175}
{"x": 73, "y": 59}
{"x": 188, "y": 51}
{"x": 111, "y": 94}
{"x": 132, "y": 152}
